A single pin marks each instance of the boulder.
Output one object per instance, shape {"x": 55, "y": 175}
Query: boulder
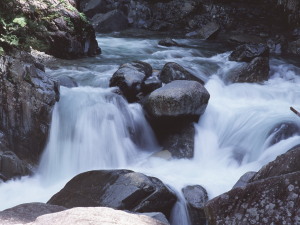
{"x": 118, "y": 189}
{"x": 244, "y": 180}
{"x": 255, "y": 71}
{"x": 168, "y": 42}
{"x": 247, "y": 52}
{"x": 96, "y": 215}
{"x": 208, "y": 31}
{"x": 27, "y": 97}
{"x": 270, "y": 197}
{"x": 111, "y": 21}
{"x": 129, "y": 78}
{"x": 196, "y": 197}
{"x": 173, "y": 71}
{"x": 178, "y": 98}
{"x": 11, "y": 166}
{"x": 26, "y": 213}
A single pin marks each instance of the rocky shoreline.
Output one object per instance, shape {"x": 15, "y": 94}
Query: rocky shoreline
{"x": 255, "y": 29}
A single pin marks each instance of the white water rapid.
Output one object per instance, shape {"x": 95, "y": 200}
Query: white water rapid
{"x": 93, "y": 128}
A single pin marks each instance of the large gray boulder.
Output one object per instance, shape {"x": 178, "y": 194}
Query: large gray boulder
{"x": 96, "y": 215}
{"x": 173, "y": 71}
{"x": 196, "y": 197}
{"x": 26, "y": 213}
{"x": 129, "y": 78}
{"x": 270, "y": 197}
{"x": 45, "y": 214}
{"x": 27, "y": 97}
{"x": 118, "y": 189}
{"x": 178, "y": 98}
{"x": 254, "y": 72}
{"x": 172, "y": 110}
{"x": 247, "y": 52}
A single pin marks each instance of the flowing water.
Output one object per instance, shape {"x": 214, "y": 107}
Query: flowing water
{"x": 94, "y": 128}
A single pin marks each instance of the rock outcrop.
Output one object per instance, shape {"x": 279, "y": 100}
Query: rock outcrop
{"x": 27, "y": 96}
{"x": 51, "y": 26}
{"x": 118, "y": 189}
{"x": 270, "y": 197}
{"x": 44, "y": 214}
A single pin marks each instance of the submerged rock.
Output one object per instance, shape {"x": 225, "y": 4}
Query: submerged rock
{"x": 247, "y": 52}
{"x": 67, "y": 81}
{"x": 129, "y": 78}
{"x": 270, "y": 197}
{"x": 168, "y": 42}
{"x": 173, "y": 71}
{"x": 283, "y": 131}
{"x": 27, "y": 99}
{"x": 196, "y": 197}
{"x": 127, "y": 190}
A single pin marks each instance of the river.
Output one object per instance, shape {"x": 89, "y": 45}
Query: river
{"x": 93, "y": 128}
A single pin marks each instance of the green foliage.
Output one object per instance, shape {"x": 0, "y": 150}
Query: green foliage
{"x": 2, "y": 52}
{"x": 21, "y": 21}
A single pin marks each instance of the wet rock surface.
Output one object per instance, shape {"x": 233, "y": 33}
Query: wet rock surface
{"x": 173, "y": 71}
{"x": 11, "y": 166}
{"x": 247, "y": 52}
{"x": 118, "y": 189}
{"x": 129, "y": 78}
{"x": 27, "y": 99}
{"x": 254, "y": 72}
{"x": 196, "y": 197}
{"x": 271, "y": 196}
{"x": 168, "y": 42}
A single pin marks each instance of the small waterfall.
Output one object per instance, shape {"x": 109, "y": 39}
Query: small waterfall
{"x": 93, "y": 128}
